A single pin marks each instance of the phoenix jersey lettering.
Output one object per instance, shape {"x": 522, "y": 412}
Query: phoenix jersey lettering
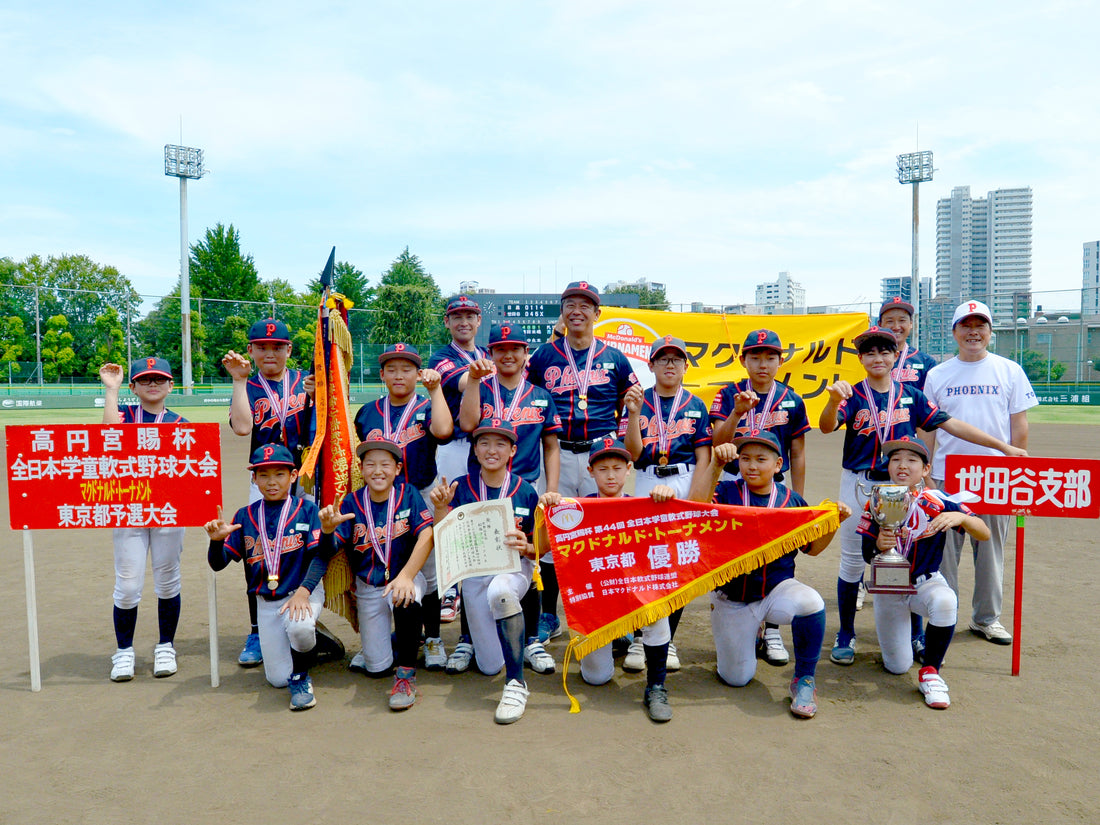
{"x": 926, "y": 552}
{"x": 266, "y": 428}
{"x": 416, "y": 441}
{"x": 535, "y": 416}
{"x": 690, "y": 428}
{"x": 862, "y": 446}
{"x": 134, "y": 414}
{"x": 299, "y": 546}
{"x": 913, "y": 368}
{"x": 410, "y": 516}
{"x": 524, "y": 498}
{"x": 786, "y": 418}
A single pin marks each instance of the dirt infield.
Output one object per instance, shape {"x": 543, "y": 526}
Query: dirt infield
{"x": 1009, "y": 750}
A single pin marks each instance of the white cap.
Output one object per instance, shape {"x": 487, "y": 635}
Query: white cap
{"x": 965, "y": 310}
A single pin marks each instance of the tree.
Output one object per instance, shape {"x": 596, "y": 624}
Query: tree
{"x": 14, "y": 343}
{"x": 408, "y": 306}
{"x": 58, "y": 357}
{"x": 647, "y": 298}
{"x": 1038, "y": 369}
{"x": 110, "y": 342}
{"x": 353, "y": 285}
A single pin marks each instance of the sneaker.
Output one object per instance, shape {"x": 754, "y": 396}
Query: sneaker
{"x": 460, "y": 659}
{"x": 164, "y": 660}
{"x": 122, "y": 665}
{"x": 358, "y": 663}
{"x": 993, "y": 632}
{"x": 549, "y": 627}
{"x": 251, "y": 655}
{"x": 512, "y": 703}
{"x": 634, "y": 661}
{"x": 861, "y": 595}
{"x": 769, "y": 647}
{"x": 329, "y": 648}
{"x": 672, "y": 663}
{"x": 435, "y": 654}
{"x": 843, "y": 654}
{"x": 537, "y": 658}
{"x": 448, "y": 609}
{"x": 619, "y": 646}
{"x": 934, "y": 688}
{"x": 804, "y": 697}
{"x": 656, "y": 704}
{"x": 403, "y": 695}
{"x": 301, "y": 692}
{"x": 918, "y": 649}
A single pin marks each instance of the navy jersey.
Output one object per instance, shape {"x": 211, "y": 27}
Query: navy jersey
{"x": 862, "y": 443}
{"x": 534, "y": 416}
{"x": 297, "y": 553}
{"x": 608, "y": 380}
{"x": 785, "y": 417}
{"x": 756, "y": 584}
{"x": 690, "y": 429}
{"x": 524, "y": 498}
{"x": 416, "y": 441}
{"x": 266, "y": 428}
{"x": 410, "y": 517}
{"x": 452, "y": 362}
{"x": 134, "y": 414}
{"x": 926, "y": 552}
{"x": 912, "y": 367}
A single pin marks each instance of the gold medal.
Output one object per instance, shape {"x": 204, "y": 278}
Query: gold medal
{"x": 663, "y": 460}
{"x": 583, "y": 403}
{"x": 273, "y": 583}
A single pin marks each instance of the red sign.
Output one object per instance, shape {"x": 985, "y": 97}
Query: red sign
{"x": 109, "y": 475}
{"x": 1031, "y": 486}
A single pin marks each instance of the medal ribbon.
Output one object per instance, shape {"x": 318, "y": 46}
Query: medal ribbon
{"x": 663, "y": 426}
{"x": 393, "y": 433}
{"x": 483, "y": 491}
{"x": 904, "y": 547}
{"x": 757, "y": 422}
{"x": 463, "y": 355}
{"x": 900, "y": 365}
{"x": 281, "y": 406}
{"x": 582, "y": 383}
{"x": 273, "y": 550}
{"x": 498, "y": 402}
{"x": 383, "y": 554}
{"x": 159, "y": 418}
{"x": 748, "y": 501}
{"x": 883, "y": 429}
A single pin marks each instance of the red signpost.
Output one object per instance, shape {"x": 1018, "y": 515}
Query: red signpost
{"x": 1021, "y": 487}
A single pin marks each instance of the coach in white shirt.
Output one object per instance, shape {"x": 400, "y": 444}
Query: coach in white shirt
{"x": 993, "y": 394}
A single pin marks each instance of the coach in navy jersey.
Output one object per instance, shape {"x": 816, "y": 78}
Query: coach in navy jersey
{"x": 912, "y": 365}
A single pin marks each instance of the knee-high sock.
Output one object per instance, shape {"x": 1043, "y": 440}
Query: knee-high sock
{"x": 510, "y": 631}
{"x": 168, "y": 616}
{"x": 549, "y": 589}
{"x": 656, "y": 663}
{"x": 674, "y": 620}
{"x": 807, "y": 634}
{"x": 846, "y": 604}
{"x": 531, "y": 604}
{"x": 407, "y": 622}
{"x": 125, "y": 622}
{"x": 252, "y": 613}
{"x": 936, "y": 641}
{"x": 430, "y": 605}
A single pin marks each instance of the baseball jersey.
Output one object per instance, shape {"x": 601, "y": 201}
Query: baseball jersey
{"x": 524, "y": 498}
{"x": 862, "y": 440}
{"x": 756, "y": 584}
{"x": 607, "y": 382}
{"x": 452, "y": 362}
{"x": 533, "y": 416}
{"x": 416, "y": 441}
{"x": 785, "y": 417}
{"x": 266, "y": 428}
{"x": 912, "y": 367}
{"x": 984, "y": 393}
{"x": 135, "y": 414}
{"x": 926, "y": 552}
{"x": 410, "y": 517}
{"x": 690, "y": 428}
{"x": 297, "y": 554}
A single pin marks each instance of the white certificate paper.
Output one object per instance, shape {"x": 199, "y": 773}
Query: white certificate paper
{"x": 470, "y": 542}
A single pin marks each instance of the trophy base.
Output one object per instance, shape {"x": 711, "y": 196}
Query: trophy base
{"x": 890, "y": 574}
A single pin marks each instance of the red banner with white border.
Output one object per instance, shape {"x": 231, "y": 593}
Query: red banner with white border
{"x": 1027, "y": 486}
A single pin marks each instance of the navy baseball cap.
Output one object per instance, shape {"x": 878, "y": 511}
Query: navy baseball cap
{"x": 506, "y": 334}
{"x": 406, "y": 351}
{"x": 603, "y": 447}
{"x": 765, "y": 438}
{"x": 865, "y": 338}
{"x": 378, "y": 444}
{"x": 582, "y": 289}
{"x": 914, "y": 445}
{"x": 762, "y": 339}
{"x": 149, "y": 366}
{"x": 896, "y": 303}
{"x": 462, "y": 303}
{"x": 667, "y": 342}
{"x": 269, "y": 330}
{"x": 271, "y": 455}
{"x": 497, "y": 426}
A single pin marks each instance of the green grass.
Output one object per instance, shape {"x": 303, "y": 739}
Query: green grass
{"x": 1064, "y": 415}
{"x": 198, "y": 415}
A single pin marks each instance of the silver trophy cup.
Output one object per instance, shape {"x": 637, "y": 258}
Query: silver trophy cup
{"x": 890, "y": 505}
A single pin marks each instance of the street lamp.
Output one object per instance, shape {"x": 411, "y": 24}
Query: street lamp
{"x": 184, "y": 162}
{"x": 915, "y": 168}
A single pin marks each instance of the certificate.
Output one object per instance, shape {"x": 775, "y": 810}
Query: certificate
{"x": 470, "y": 542}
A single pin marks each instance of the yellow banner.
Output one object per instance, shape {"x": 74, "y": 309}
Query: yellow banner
{"x": 818, "y": 348}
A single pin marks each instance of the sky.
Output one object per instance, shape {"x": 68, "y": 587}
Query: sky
{"x": 705, "y": 145}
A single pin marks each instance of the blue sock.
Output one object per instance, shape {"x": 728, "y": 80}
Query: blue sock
{"x": 936, "y": 640}
{"x": 168, "y": 617}
{"x": 916, "y": 624}
{"x": 807, "y": 633}
{"x": 656, "y": 664}
{"x": 846, "y": 604}
{"x": 125, "y": 622}
{"x": 510, "y": 631}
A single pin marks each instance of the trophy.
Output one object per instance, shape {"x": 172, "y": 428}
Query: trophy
{"x": 890, "y": 505}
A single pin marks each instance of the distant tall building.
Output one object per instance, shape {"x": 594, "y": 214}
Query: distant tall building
{"x": 1090, "y": 279}
{"x": 903, "y": 287}
{"x": 983, "y": 249}
{"x": 783, "y": 292}
{"x": 652, "y": 286}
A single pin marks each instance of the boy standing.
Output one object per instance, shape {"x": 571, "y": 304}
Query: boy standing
{"x": 462, "y": 318}
{"x": 151, "y": 382}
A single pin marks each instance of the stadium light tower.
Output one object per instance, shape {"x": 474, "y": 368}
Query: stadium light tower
{"x": 915, "y": 168}
{"x": 184, "y": 162}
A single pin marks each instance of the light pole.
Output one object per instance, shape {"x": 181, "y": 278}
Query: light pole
{"x": 184, "y": 162}
{"x": 915, "y": 168}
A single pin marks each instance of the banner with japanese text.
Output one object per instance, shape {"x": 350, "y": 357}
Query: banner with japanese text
{"x": 818, "y": 348}
{"x": 1027, "y": 486}
{"x": 111, "y": 475}
{"x": 626, "y": 562}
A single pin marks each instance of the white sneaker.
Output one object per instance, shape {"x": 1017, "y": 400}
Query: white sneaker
{"x": 512, "y": 703}
{"x": 122, "y": 665}
{"x": 435, "y": 655}
{"x": 934, "y": 688}
{"x": 672, "y": 664}
{"x": 358, "y": 663}
{"x": 537, "y": 658}
{"x": 774, "y": 651}
{"x": 164, "y": 660}
{"x": 459, "y": 660}
{"x": 861, "y": 595}
{"x": 634, "y": 661}
{"x": 993, "y": 632}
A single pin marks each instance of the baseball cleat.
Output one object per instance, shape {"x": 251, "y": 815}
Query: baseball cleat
{"x": 656, "y": 704}
{"x": 804, "y": 697}
{"x": 403, "y": 695}
{"x": 843, "y": 654}
{"x": 301, "y": 692}
{"x": 934, "y": 688}
{"x": 251, "y": 655}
